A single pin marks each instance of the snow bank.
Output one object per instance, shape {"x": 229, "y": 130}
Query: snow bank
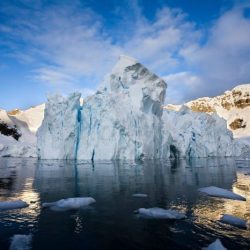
{"x": 6, "y": 205}
{"x": 160, "y": 213}
{"x": 70, "y": 203}
{"x": 216, "y": 245}
{"x": 222, "y": 193}
{"x": 21, "y": 242}
{"x": 234, "y": 221}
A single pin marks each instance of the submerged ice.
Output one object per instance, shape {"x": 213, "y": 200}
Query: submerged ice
{"x": 70, "y": 203}
{"x": 125, "y": 120}
{"x": 21, "y": 242}
{"x": 160, "y": 213}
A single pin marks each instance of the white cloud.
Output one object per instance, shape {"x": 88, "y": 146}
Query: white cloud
{"x": 224, "y": 60}
{"x": 70, "y": 47}
{"x": 181, "y": 85}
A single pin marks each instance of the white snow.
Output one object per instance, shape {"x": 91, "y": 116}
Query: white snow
{"x": 140, "y": 195}
{"x": 222, "y": 193}
{"x": 26, "y": 144}
{"x": 234, "y": 221}
{"x": 6, "y": 205}
{"x": 160, "y": 213}
{"x": 33, "y": 117}
{"x": 21, "y": 242}
{"x": 70, "y": 203}
{"x": 216, "y": 245}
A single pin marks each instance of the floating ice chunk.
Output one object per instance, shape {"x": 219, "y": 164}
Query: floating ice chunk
{"x": 140, "y": 195}
{"x": 70, "y": 203}
{"x": 21, "y": 242}
{"x": 222, "y": 193}
{"x": 233, "y": 220}
{"x": 6, "y": 205}
{"x": 216, "y": 245}
{"x": 160, "y": 213}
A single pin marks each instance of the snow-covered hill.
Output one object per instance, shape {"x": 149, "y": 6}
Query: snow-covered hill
{"x": 33, "y": 116}
{"x": 233, "y": 106}
{"x": 18, "y": 131}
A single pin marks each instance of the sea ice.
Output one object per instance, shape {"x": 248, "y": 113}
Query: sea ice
{"x": 6, "y": 205}
{"x": 140, "y": 195}
{"x": 160, "y": 213}
{"x": 222, "y": 193}
{"x": 216, "y": 245}
{"x": 70, "y": 203}
{"x": 21, "y": 242}
{"x": 233, "y": 220}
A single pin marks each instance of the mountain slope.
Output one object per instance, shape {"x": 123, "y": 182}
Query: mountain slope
{"x": 233, "y": 106}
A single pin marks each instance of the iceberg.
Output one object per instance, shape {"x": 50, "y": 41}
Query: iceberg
{"x": 216, "y": 245}
{"x": 21, "y": 242}
{"x": 70, "y": 203}
{"x": 125, "y": 120}
{"x": 6, "y": 205}
{"x": 160, "y": 213}
{"x": 234, "y": 221}
{"x": 222, "y": 193}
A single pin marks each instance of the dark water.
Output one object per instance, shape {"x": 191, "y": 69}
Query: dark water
{"x": 111, "y": 223}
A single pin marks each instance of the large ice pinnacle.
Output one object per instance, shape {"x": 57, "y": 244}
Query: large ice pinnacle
{"x": 121, "y": 121}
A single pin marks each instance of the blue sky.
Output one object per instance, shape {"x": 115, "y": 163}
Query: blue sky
{"x": 201, "y": 48}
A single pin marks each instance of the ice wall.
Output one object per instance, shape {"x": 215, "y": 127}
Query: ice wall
{"x": 123, "y": 119}
{"x": 192, "y": 134}
{"x": 57, "y": 138}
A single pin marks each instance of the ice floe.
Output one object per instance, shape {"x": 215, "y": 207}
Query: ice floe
{"x": 70, "y": 203}
{"x": 160, "y": 213}
{"x": 234, "y": 221}
{"x": 6, "y": 205}
{"x": 222, "y": 193}
{"x": 216, "y": 245}
{"x": 21, "y": 242}
{"x": 140, "y": 195}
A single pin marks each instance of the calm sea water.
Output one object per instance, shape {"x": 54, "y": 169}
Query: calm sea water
{"x": 110, "y": 223}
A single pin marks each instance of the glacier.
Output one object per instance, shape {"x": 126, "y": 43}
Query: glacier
{"x": 125, "y": 120}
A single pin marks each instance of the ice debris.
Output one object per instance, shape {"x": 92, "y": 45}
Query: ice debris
{"x": 70, "y": 203}
{"x": 21, "y": 242}
{"x": 140, "y": 195}
{"x": 222, "y": 193}
{"x": 160, "y": 213}
{"x": 234, "y": 221}
{"x": 216, "y": 245}
{"x": 6, "y": 205}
